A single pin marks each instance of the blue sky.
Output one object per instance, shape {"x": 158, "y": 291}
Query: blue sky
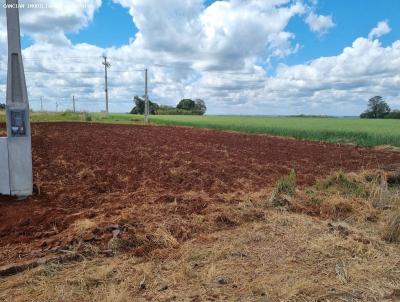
{"x": 112, "y": 26}
{"x": 241, "y": 57}
{"x": 353, "y": 18}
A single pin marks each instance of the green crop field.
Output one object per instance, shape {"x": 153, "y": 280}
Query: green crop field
{"x": 80, "y": 117}
{"x": 352, "y": 130}
{"x": 348, "y": 130}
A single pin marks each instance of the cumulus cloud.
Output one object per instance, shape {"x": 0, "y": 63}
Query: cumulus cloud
{"x": 220, "y": 35}
{"x": 48, "y": 21}
{"x": 364, "y": 69}
{"x": 381, "y": 29}
{"x": 217, "y": 52}
{"x": 186, "y": 35}
{"x": 330, "y": 85}
{"x": 319, "y": 23}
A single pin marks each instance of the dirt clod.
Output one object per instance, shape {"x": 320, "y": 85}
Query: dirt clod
{"x": 221, "y": 280}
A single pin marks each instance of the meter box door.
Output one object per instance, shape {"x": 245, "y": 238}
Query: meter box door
{"x": 4, "y": 170}
{"x": 18, "y": 121}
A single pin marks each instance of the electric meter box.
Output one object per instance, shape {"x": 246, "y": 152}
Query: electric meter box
{"x": 18, "y": 123}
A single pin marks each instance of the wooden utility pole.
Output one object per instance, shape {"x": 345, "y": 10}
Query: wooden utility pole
{"x": 106, "y": 66}
{"x": 146, "y": 99}
{"x": 73, "y": 102}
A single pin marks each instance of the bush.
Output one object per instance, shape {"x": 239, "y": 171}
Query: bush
{"x": 395, "y": 114}
{"x": 140, "y": 106}
{"x": 197, "y": 107}
{"x": 287, "y": 184}
{"x": 186, "y": 104}
{"x": 168, "y": 110}
{"x": 282, "y": 195}
{"x": 185, "y": 107}
{"x": 2, "y": 106}
{"x": 87, "y": 117}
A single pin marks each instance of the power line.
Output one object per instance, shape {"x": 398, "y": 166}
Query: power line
{"x": 176, "y": 65}
{"x": 84, "y": 72}
{"x": 66, "y": 72}
{"x": 64, "y": 58}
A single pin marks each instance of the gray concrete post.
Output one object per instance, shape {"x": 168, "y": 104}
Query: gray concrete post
{"x": 17, "y": 106}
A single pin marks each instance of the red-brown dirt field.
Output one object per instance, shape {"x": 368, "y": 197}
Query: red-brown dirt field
{"x": 136, "y": 179}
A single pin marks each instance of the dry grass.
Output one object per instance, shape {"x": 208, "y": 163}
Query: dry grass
{"x": 83, "y": 225}
{"x": 307, "y": 258}
{"x": 392, "y": 232}
{"x": 333, "y": 242}
{"x": 285, "y": 188}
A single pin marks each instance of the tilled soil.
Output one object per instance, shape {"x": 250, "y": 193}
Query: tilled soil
{"x": 134, "y": 181}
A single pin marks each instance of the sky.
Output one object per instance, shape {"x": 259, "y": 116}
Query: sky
{"x": 253, "y": 57}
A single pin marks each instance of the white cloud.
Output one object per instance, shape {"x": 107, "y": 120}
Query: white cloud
{"x": 339, "y": 84}
{"x": 50, "y": 20}
{"x": 381, "y": 29}
{"x": 342, "y": 82}
{"x": 218, "y": 53}
{"x": 186, "y": 35}
{"x": 319, "y": 23}
{"x": 223, "y": 34}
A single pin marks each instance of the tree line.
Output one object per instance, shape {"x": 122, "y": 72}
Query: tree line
{"x": 378, "y": 109}
{"x": 184, "y": 107}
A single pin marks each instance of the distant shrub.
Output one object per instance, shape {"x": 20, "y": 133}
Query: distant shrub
{"x": 168, "y": 110}
{"x": 395, "y": 114}
{"x": 184, "y": 107}
{"x": 197, "y": 107}
{"x": 140, "y": 106}
{"x": 87, "y": 117}
{"x": 2, "y": 106}
{"x": 67, "y": 112}
{"x": 312, "y": 116}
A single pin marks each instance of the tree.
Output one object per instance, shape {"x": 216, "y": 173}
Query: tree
{"x": 377, "y": 108}
{"x": 394, "y": 114}
{"x": 200, "y": 107}
{"x": 140, "y": 105}
{"x": 2, "y": 106}
{"x": 186, "y": 104}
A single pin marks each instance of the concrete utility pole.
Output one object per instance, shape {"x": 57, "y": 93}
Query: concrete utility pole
{"x": 15, "y": 150}
{"x": 73, "y": 102}
{"x": 146, "y": 98}
{"x": 56, "y": 106}
{"x": 106, "y": 66}
{"x": 41, "y": 104}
